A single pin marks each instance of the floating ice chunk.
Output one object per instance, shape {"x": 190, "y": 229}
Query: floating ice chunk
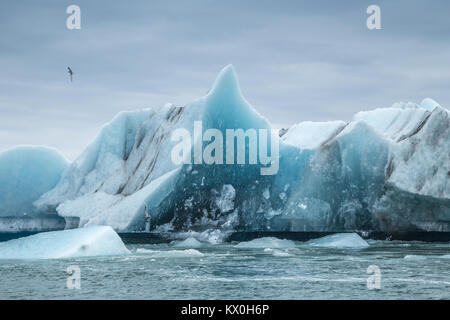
{"x": 189, "y": 243}
{"x": 92, "y": 241}
{"x": 340, "y": 240}
{"x": 26, "y": 173}
{"x": 277, "y": 253}
{"x": 417, "y": 257}
{"x": 414, "y": 257}
{"x": 143, "y": 250}
{"x": 188, "y": 253}
{"x": 266, "y": 242}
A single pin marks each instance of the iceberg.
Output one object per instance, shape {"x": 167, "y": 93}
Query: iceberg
{"x": 340, "y": 241}
{"x": 385, "y": 170}
{"x": 82, "y": 242}
{"x": 26, "y": 173}
{"x": 266, "y": 242}
{"x": 128, "y": 168}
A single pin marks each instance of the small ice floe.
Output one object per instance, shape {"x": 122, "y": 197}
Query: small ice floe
{"x": 414, "y": 257}
{"x": 340, "y": 241}
{"x": 266, "y": 242}
{"x": 419, "y": 257}
{"x": 277, "y": 253}
{"x": 188, "y": 243}
{"x": 188, "y": 253}
{"x": 83, "y": 242}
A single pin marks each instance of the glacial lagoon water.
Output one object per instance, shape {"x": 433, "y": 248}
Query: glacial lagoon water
{"x": 409, "y": 270}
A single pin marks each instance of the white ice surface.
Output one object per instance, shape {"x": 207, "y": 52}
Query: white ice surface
{"x": 340, "y": 240}
{"x": 118, "y": 211}
{"x": 421, "y": 163}
{"x": 310, "y": 135}
{"x": 266, "y": 242}
{"x": 188, "y": 253}
{"x": 188, "y": 243}
{"x": 396, "y": 122}
{"x": 92, "y": 241}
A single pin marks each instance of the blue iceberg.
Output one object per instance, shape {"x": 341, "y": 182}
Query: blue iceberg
{"x": 26, "y": 173}
{"x": 385, "y": 170}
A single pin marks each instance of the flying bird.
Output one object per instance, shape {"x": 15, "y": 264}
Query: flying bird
{"x": 70, "y": 73}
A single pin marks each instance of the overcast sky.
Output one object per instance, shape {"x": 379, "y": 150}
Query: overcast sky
{"x": 296, "y": 60}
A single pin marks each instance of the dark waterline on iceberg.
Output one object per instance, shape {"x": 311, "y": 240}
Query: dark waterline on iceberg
{"x": 157, "y": 237}
{"x": 409, "y": 270}
{"x": 160, "y": 238}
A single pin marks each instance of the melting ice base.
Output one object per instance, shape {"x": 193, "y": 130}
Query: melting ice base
{"x": 84, "y": 242}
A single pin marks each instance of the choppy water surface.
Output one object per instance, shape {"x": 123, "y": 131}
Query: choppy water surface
{"x": 409, "y": 270}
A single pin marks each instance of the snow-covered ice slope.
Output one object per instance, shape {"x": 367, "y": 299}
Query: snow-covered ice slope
{"x": 92, "y": 241}
{"x": 416, "y": 195}
{"x": 396, "y": 122}
{"x": 101, "y": 165}
{"x": 421, "y": 160}
{"x": 26, "y": 173}
{"x": 387, "y": 169}
{"x": 311, "y": 135}
{"x": 120, "y": 211}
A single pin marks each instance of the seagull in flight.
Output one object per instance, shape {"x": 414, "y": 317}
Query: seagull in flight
{"x": 70, "y": 73}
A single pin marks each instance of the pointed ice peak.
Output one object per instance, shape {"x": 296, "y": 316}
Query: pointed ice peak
{"x": 227, "y": 108}
{"x": 429, "y": 104}
{"x": 226, "y": 84}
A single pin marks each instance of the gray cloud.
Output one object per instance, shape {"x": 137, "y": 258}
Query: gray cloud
{"x": 297, "y": 60}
